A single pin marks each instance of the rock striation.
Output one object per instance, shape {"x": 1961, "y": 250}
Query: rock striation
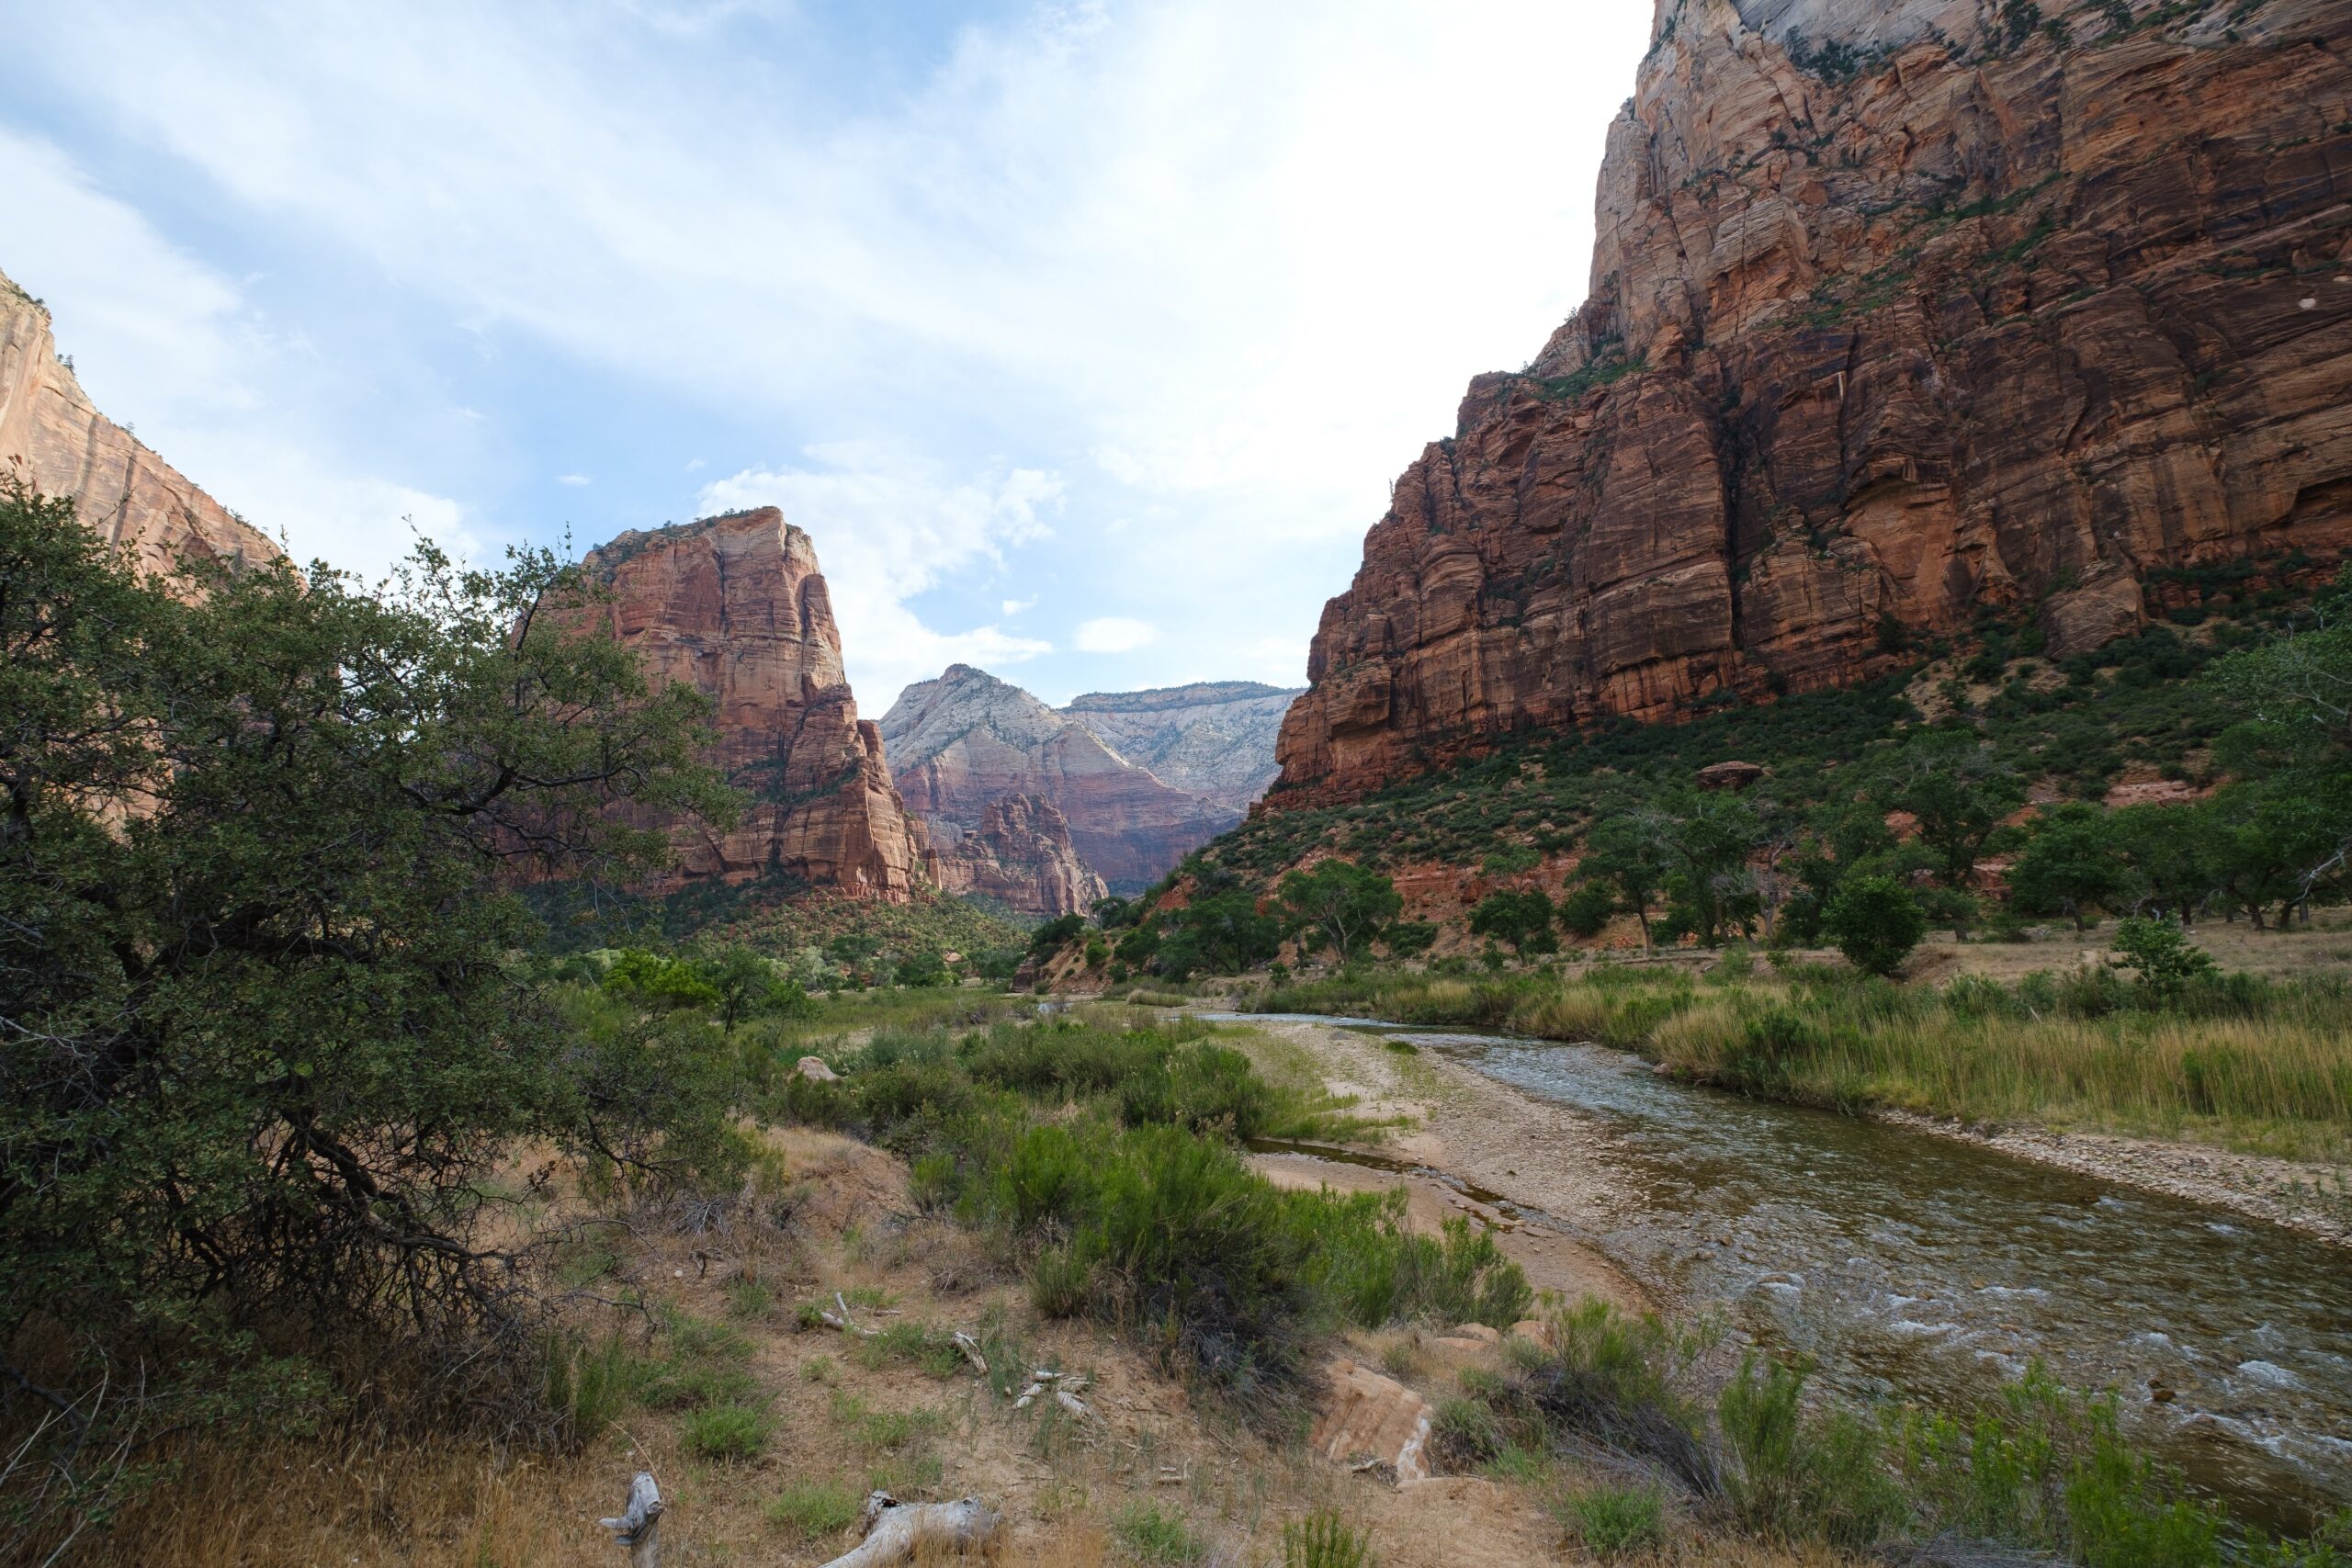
{"x": 735, "y": 607}
{"x": 967, "y": 740}
{"x": 1021, "y": 856}
{"x": 53, "y": 439}
{"x": 1214, "y": 738}
{"x": 1902, "y": 312}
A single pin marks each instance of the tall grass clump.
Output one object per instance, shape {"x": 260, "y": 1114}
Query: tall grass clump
{"x": 1324, "y": 1540}
{"x": 2039, "y": 1470}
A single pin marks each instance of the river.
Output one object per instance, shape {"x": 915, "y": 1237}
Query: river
{"x": 1911, "y": 1267}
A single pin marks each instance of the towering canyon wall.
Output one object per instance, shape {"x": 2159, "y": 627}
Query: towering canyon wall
{"x": 967, "y": 739}
{"x": 1902, "y": 312}
{"x": 1213, "y": 738}
{"x": 735, "y": 607}
{"x": 55, "y": 441}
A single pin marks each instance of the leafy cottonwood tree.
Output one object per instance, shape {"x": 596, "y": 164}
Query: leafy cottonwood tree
{"x": 2073, "y": 864}
{"x": 1956, "y": 789}
{"x": 263, "y": 1026}
{"x": 1342, "y": 902}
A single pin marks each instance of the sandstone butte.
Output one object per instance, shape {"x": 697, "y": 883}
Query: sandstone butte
{"x": 735, "y": 607}
{"x": 967, "y": 740}
{"x": 1021, "y": 856}
{"x": 1898, "y": 316}
{"x": 53, "y": 440}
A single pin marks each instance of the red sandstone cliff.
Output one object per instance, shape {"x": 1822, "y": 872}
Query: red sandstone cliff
{"x": 967, "y": 738}
{"x": 1902, "y": 310}
{"x": 1021, "y": 855}
{"x": 55, "y": 441}
{"x": 735, "y": 607}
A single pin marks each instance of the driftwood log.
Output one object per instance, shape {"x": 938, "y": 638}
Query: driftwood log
{"x": 640, "y": 1525}
{"x": 895, "y": 1531}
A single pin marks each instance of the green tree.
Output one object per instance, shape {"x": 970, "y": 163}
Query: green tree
{"x": 1707, "y": 836}
{"x": 1342, "y": 903}
{"x": 652, "y": 977}
{"x": 1522, "y": 918}
{"x": 2073, "y": 865}
{"x": 1224, "y": 933}
{"x": 749, "y": 985}
{"x": 1958, "y": 792}
{"x": 2298, "y": 691}
{"x": 2168, "y": 851}
{"x": 1585, "y": 912}
{"x": 1624, "y": 852}
{"x": 262, "y": 1027}
{"x": 2160, "y": 950}
{"x": 1875, "y": 923}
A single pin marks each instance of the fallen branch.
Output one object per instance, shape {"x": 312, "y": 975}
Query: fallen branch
{"x": 841, "y": 1321}
{"x": 640, "y": 1525}
{"x": 971, "y": 1348}
{"x": 895, "y": 1531}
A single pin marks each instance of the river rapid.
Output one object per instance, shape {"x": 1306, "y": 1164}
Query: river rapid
{"x": 1913, "y": 1267}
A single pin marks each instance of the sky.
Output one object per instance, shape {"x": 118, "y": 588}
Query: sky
{"x": 1084, "y": 339}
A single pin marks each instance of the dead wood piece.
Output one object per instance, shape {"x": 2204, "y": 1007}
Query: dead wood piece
{"x": 971, "y": 1348}
{"x": 640, "y": 1527}
{"x": 896, "y": 1532}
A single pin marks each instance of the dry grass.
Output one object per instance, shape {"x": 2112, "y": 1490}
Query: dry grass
{"x": 842, "y": 1419}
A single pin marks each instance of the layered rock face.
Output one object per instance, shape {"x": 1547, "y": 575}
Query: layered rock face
{"x": 735, "y": 607}
{"x": 1903, "y": 311}
{"x": 967, "y": 739}
{"x": 55, "y": 441}
{"x": 1214, "y": 738}
{"x": 1021, "y": 855}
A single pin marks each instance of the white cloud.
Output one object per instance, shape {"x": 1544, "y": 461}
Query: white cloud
{"x": 1017, "y": 606}
{"x": 1115, "y": 634}
{"x": 889, "y": 526}
{"x": 165, "y": 343}
{"x": 1182, "y": 251}
{"x": 575, "y": 481}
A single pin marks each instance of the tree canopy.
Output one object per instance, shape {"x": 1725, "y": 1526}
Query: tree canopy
{"x": 264, "y": 1012}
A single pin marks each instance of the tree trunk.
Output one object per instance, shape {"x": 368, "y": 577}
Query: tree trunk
{"x": 896, "y": 1532}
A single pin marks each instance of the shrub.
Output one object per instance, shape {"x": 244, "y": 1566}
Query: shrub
{"x": 1324, "y": 1540}
{"x": 725, "y": 1432}
{"x": 1794, "y": 1475}
{"x": 2168, "y": 961}
{"x": 1607, "y": 1378}
{"x": 1152, "y": 1536}
{"x": 1614, "y": 1520}
{"x": 1875, "y": 923}
{"x": 1584, "y": 912}
{"x": 811, "y": 1510}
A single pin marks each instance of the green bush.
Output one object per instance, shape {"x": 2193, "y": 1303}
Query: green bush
{"x": 1324, "y": 1540}
{"x": 725, "y": 1432}
{"x": 1615, "y": 1521}
{"x": 1791, "y": 1475}
{"x": 812, "y": 1510}
{"x": 1876, "y": 922}
{"x": 1152, "y": 1536}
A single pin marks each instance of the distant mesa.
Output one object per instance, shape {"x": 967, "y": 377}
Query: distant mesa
{"x": 735, "y": 607}
{"x": 54, "y": 440}
{"x": 1141, "y": 779}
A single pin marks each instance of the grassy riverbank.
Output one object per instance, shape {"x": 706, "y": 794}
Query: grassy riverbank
{"x": 2243, "y": 1063}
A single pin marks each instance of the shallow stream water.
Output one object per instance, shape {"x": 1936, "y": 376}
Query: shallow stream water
{"x": 1911, "y": 1267}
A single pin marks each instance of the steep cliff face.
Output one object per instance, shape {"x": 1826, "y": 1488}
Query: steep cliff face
{"x": 967, "y": 739}
{"x": 55, "y": 441}
{"x": 1902, "y": 312}
{"x": 1214, "y": 738}
{"x": 1021, "y": 855}
{"x": 735, "y": 607}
